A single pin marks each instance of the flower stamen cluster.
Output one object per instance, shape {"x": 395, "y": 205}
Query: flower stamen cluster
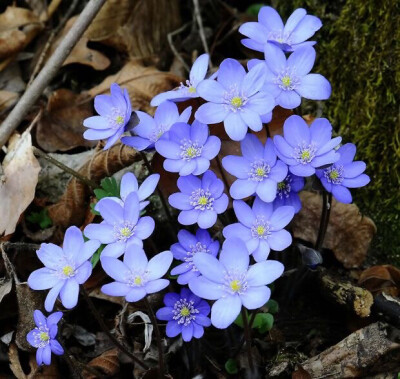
{"x": 184, "y": 312}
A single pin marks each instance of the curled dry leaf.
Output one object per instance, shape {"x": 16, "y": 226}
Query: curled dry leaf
{"x": 61, "y": 125}
{"x": 17, "y": 187}
{"x": 80, "y": 53}
{"x": 142, "y": 25}
{"x": 71, "y": 208}
{"x": 378, "y": 279}
{"x": 349, "y": 234}
{"x": 107, "y": 363}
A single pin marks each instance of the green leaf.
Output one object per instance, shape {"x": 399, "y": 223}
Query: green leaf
{"x": 253, "y": 10}
{"x": 40, "y": 218}
{"x": 263, "y": 322}
{"x": 273, "y": 306}
{"x": 96, "y": 256}
{"x": 92, "y": 205}
{"x": 108, "y": 188}
{"x": 239, "y": 320}
{"x": 231, "y": 366}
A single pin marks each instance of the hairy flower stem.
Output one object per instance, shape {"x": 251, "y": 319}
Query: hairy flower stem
{"x": 326, "y": 210}
{"x": 247, "y": 336}
{"x": 103, "y": 326}
{"x": 153, "y": 319}
{"x": 160, "y": 194}
{"x": 90, "y": 183}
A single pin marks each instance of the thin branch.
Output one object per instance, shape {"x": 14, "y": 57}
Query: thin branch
{"x": 49, "y": 70}
{"x": 173, "y": 48}
{"x": 199, "y": 20}
{"x": 326, "y": 210}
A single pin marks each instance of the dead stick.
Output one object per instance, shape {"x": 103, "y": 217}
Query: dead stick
{"x": 49, "y": 70}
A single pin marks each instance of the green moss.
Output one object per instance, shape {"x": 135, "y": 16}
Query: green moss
{"x": 358, "y": 51}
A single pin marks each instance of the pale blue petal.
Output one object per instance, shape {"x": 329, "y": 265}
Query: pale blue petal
{"x": 314, "y": 87}
{"x": 255, "y": 297}
{"x": 280, "y": 240}
{"x": 225, "y": 310}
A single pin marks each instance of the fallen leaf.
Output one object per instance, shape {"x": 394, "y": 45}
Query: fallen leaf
{"x": 300, "y": 373}
{"x": 7, "y": 100}
{"x": 5, "y": 287}
{"x": 61, "y": 125}
{"x": 107, "y": 363}
{"x": 17, "y": 188}
{"x": 80, "y": 53}
{"x": 136, "y": 27}
{"x": 349, "y": 233}
{"x": 378, "y": 279}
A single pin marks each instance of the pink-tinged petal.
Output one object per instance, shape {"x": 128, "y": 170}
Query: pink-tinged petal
{"x": 225, "y": 310}
{"x": 296, "y": 131}
{"x": 255, "y": 297}
{"x": 205, "y": 288}
{"x": 280, "y": 240}
{"x": 234, "y": 255}
{"x": 244, "y": 213}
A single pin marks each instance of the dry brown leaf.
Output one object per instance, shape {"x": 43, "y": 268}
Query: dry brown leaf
{"x": 80, "y": 53}
{"x": 378, "y": 279}
{"x": 7, "y": 100}
{"x": 142, "y": 83}
{"x": 107, "y": 363}
{"x": 137, "y": 27}
{"x": 17, "y": 188}
{"x": 349, "y": 234}
{"x": 61, "y": 126}
{"x": 71, "y": 208}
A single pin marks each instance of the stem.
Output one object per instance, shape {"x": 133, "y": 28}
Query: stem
{"x": 326, "y": 210}
{"x": 153, "y": 319}
{"x": 49, "y": 70}
{"x": 90, "y": 183}
{"x": 247, "y": 336}
{"x": 103, "y": 326}
{"x": 74, "y": 370}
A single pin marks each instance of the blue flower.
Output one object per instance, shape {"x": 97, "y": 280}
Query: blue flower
{"x": 186, "y": 314}
{"x": 269, "y": 28}
{"x": 200, "y": 200}
{"x": 136, "y": 277}
{"x": 189, "y": 89}
{"x": 115, "y": 113}
{"x": 121, "y": 227}
{"x": 150, "y": 129}
{"x": 188, "y": 149}
{"x": 305, "y": 148}
{"x": 130, "y": 184}
{"x": 232, "y": 282}
{"x": 43, "y": 337}
{"x": 187, "y": 247}
{"x": 289, "y": 80}
{"x": 65, "y": 268}
{"x": 261, "y": 227}
{"x": 344, "y": 174}
{"x": 235, "y": 99}
{"x": 258, "y": 170}
{"x": 287, "y": 192}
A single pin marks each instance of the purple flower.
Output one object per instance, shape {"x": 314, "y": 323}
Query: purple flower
{"x": 232, "y": 282}
{"x": 130, "y": 184}
{"x": 121, "y": 227}
{"x": 287, "y": 192}
{"x": 258, "y": 170}
{"x": 136, "y": 277}
{"x": 235, "y": 99}
{"x": 150, "y": 129}
{"x": 115, "y": 113}
{"x": 200, "y": 200}
{"x": 269, "y": 28}
{"x": 43, "y": 337}
{"x": 186, "y": 314}
{"x": 305, "y": 148}
{"x": 65, "y": 268}
{"x": 289, "y": 80}
{"x": 344, "y": 174}
{"x": 188, "y": 149}
{"x": 187, "y": 247}
{"x": 189, "y": 89}
{"x": 261, "y": 227}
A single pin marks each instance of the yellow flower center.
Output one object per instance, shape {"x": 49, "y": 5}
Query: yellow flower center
{"x": 333, "y": 174}
{"x": 236, "y": 101}
{"x": 190, "y": 152}
{"x": 281, "y": 185}
{"x": 260, "y": 171}
{"x": 67, "y": 270}
{"x": 185, "y": 312}
{"x": 260, "y": 230}
{"x": 202, "y": 200}
{"x": 286, "y": 81}
{"x": 191, "y": 89}
{"x": 305, "y": 155}
{"x": 119, "y": 120}
{"x": 235, "y": 285}
{"x": 126, "y": 232}
{"x": 44, "y": 336}
{"x": 138, "y": 281}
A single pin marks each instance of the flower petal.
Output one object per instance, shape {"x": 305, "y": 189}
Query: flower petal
{"x": 209, "y": 266}
{"x": 296, "y": 131}
{"x": 264, "y": 273}
{"x": 234, "y": 255}
{"x": 302, "y": 60}
{"x": 255, "y": 297}
{"x": 43, "y": 279}
{"x": 314, "y": 87}
{"x": 230, "y": 73}
{"x": 235, "y": 127}
{"x": 280, "y": 240}
{"x": 237, "y": 166}
{"x": 159, "y": 265}
{"x": 69, "y": 293}
{"x": 281, "y": 217}
{"x": 205, "y": 288}
{"x": 116, "y": 289}
{"x": 225, "y": 310}
{"x": 244, "y": 213}
{"x": 115, "y": 269}
{"x": 242, "y": 188}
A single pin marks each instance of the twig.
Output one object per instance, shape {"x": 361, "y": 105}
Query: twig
{"x": 108, "y": 333}
{"x": 74, "y": 370}
{"x": 65, "y": 168}
{"x": 197, "y": 15}
{"x": 247, "y": 336}
{"x": 20, "y": 245}
{"x": 161, "y": 368}
{"x": 173, "y": 48}
{"x": 50, "y": 40}
{"x": 326, "y": 210}
{"x": 49, "y": 70}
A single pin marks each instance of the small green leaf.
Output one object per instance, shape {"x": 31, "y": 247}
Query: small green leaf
{"x": 100, "y": 193}
{"x": 108, "y": 188}
{"x": 263, "y": 322}
{"x": 92, "y": 205}
{"x": 96, "y": 256}
{"x": 239, "y": 320}
{"x": 253, "y": 10}
{"x": 40, "y": 218}
{"x": 273, "y": 306}
{"x": 231, "y": 366}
